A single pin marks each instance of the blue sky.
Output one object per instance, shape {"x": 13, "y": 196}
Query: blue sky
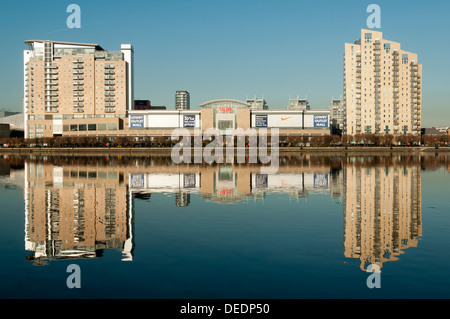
{"x": 234, "y": 49}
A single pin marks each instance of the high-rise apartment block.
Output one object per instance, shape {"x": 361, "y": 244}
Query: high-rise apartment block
{"x": 382, "y": 87}
{"x": 72, "y": 87}
{"x": 337, "y": 114}
{"x": 257, "y": 104}
{"x": 182, "y": 100}
{"x": 298, "y": 104}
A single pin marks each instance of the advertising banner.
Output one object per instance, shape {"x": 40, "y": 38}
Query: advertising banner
{"x": 285, "y": 120}
{"x": 137, "y": 180}
{"x": 189, "y": 121}
{"x": 320, "y": 120}
{"x": 137, "y": 121}
{"x": 260, "y": 120}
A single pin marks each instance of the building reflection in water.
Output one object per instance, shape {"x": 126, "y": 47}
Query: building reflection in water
{"x": 78, "y": 209}
{"x": 382, "y": 210}
{"x": 76, "y": 212}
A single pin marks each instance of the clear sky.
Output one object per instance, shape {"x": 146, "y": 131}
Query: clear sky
{"x": 236, "y": 48}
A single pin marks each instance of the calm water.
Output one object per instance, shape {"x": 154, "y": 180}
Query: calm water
{"x": 146, "y": 228}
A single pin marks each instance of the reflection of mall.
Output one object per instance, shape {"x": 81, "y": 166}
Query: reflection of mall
{"x": 80, "y": 209}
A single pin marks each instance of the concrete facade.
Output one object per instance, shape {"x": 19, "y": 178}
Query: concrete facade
{"x": 382, "y": 87}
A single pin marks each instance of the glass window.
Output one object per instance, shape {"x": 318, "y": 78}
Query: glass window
{"x": 92, "y": 127}
{"x": 73, "y": 127}
{"x": 82, "y": 127}
{"x": 223, "y": 125}
{"x": 102, "y": 127}
{"x": 112, "y": 126}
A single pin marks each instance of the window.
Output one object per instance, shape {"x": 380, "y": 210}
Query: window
{"x": 112, "y": 126}
{"x": 387, "y": 48}
{"x": 73, "y": 127}
{"x": 92, "y": 127}
{"x": 82, "y": 127}
{"x": 224, "y": 125}
{"x": 368, "y": 37}
{"x": 101, "y": 127}
{"x": 405, "y": 59}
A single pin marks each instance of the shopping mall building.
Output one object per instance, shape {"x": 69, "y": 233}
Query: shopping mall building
{"x": 79, "y": 89}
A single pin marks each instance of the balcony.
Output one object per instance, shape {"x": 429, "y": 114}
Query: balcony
{"x": 51, "y": 66}
{"x": 78, "y": 88}
{"x": 109, "y": 104}
{"x": 78, "y": 104}
{"x": 78, "y": 72}
{"x": 77, "y": 66}
{"x": 110, "y": 66}
{"x": 51, "y": 110}
{"x": 110, "y": 110}
{"x": 109, "y": 88}
{"x": 78, "y": 110}
{"x": 78, "y": 99}
{"x": 78, "y": 83}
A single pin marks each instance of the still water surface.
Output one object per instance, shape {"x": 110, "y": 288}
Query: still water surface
{"x": 147, "y": 228}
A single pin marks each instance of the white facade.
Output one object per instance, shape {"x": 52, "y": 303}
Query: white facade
{"x": 128, "y": 55}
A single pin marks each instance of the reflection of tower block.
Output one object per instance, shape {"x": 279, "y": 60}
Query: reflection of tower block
{"x": 258, "y": 196}
{"x": 182, "y": 199}
{"x": 296, "y": 194}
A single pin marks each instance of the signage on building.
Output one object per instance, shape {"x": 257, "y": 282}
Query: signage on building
{"x": 189, "y": 121}
{"x": 320, "y": 120}
{"x": 189, "y": 180}
{"x": 228, "y": 109}
{"x": 137, "y": 180}
{"x": 321, "y": 180}
{"x": 137, "y": 121}
{"x": 261, "y": 181}
{"x": 260, "y": 120}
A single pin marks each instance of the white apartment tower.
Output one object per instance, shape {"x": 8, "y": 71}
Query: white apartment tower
{"x": 382, "y": 87}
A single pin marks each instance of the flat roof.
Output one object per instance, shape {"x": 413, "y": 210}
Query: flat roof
{"x": 96, "y": 46}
